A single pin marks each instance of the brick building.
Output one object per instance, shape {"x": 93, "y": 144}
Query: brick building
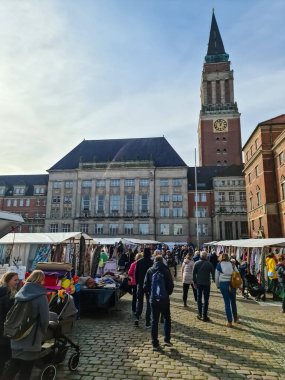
{"x": 265, "y": 178}
{"x": 219, "y": 122}
{"x": 25, "y": 195}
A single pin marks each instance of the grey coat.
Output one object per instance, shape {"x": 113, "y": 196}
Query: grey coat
{"x": 28, "y": 348}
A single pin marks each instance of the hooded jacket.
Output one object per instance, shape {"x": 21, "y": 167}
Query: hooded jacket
{"x": 142, "y": 266}
{"x": 158, "y": 266}
{"x": 28, "y": 347}
{"x": 5, "y": 305}
{"x": 187, "y": 271}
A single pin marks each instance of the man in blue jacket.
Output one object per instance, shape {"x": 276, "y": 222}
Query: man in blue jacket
{"x": 159, "y": 285}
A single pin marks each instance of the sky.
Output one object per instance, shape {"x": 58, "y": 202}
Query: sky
{"x": 102, "y": 69}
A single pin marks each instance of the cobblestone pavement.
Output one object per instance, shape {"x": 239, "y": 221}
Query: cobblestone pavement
{"x": 113, "y": 348}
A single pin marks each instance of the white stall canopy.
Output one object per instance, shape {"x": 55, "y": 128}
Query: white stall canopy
{"x": 251, "y": 243}
{"x": 43, "y": 238}
{"x": 8, "y": 220}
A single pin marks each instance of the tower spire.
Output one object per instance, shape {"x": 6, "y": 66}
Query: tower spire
{"x": 216, "y": 51}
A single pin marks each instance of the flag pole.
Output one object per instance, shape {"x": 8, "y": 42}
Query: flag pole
{"x": 196, "y": 204}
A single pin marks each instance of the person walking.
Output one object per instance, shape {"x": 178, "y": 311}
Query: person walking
{"x": 202, "y": 274}
{"x": 131, "y": 274}
{"x": 141, "y": 268}
{"x": 223, "y": 275}
{"x": 8, "y": 289}
{"x": 271, "y": 263}
{"x": 187, "y": 277}
{"x": 26, "y": 350}
{"x": 280, "y": 269}
{"x": 159, "y": 285}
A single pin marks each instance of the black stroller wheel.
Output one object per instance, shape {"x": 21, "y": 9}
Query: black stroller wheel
{"x": 48, "y": 373}
{"x": 73, "y": 361}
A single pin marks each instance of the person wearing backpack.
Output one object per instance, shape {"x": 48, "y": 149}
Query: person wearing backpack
{"x": 223, "y": 277}
{"x": 158, "y": 283}
{"x": 25, "y": 350}
{"x": 8, "y": 288}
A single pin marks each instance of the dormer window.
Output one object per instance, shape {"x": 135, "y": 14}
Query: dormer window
{"x": 19, "y": 190}
{"x": 39, "y": 190}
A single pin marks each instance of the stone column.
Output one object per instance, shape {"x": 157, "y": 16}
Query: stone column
{"x": 222, "y": 84}
{"x": 214, "y": 97}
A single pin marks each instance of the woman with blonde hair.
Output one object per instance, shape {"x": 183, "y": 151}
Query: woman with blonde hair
{"x": 8, "y": 288}
{"x": 131, "y": 274}
{"x": 187, "y": 277}
{"x": 223, "y": 275}
{"x": 26, "y": 350}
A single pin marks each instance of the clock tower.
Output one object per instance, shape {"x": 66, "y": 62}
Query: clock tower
{"x": 219, "y": 122}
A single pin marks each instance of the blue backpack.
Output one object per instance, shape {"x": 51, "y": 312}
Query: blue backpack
{"x": 158, "y": 289}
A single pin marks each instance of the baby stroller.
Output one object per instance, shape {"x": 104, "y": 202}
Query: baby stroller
{"x": 254, "y": 288}
{"x": 56, "y": 344}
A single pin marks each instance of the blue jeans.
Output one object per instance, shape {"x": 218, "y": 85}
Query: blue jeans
{"x": 203, "y": 290}
{"x": 157, "y": 308}
{"x": 229, "y": 299}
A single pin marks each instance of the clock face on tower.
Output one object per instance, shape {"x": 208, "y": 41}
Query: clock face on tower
{"x": 220, "y": 125}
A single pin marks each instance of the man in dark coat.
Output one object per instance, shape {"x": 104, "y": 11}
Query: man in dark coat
{"x": 159, "y": 306}
{"x": 202, "y": 273}
{"x": 141, "y": 268}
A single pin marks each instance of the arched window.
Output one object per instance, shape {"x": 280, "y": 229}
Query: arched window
{"x": 224, "y": 151}
{"x": 218, "y": 163}
{"x": 217, "y": 139}
{"x": 218, "y": 151}
{"x": 225, "y": 162}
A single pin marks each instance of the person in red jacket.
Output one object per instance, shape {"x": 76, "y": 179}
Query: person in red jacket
{"x": 131, "y": 274}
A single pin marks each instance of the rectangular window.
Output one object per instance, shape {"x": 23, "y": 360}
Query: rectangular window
{"x": 177, "y": 212}
{"x": 164, "y": 198}
{"x": 19, "y": 190}
{"x": 228, "y": 230}
{"x": 21, "y": 202}
{"x": 100, "y": 183}
{"x": 38, "y": 202}
{"x": 67, "y": 199}
{"x": 144, "y": 182}
{"x": 129, "y": 182}
{"x": 56, "y": 185}
{"x": 28, "y": 202}
{"x": 67, "y": 212}
{"x": 242, "y": 196}
{"x": 115, "y": 183}
{"x": 54, "y": 213}
{"x": 256, "y": 171}
{"x": 115, "y": 204}
{"x": 86, "y": 184}
{"x": 85, "y": 203}
{"x": 202, "y": 229}
{"x": 200, "y": 212}
{"x": 177, "y": 182}
{"x": 258, "y": 198}
{"x": 197, "y": 197}
{"x": 231, "y": 196}
{"x": 177, "y": 198}
{"x": 283, "y": 190}
{"x": 15, "y": 202}
{"x": 203, "y": 197}
{"x": 55, "y": 199}
{"x": 143, "y": 229}
{"x": 65, "y": 227}
{"x": 68, "y": 184}
{"x": 129, "y": 203}
{"x": 177, "y": 229}
{"x": 2, "y": 190}
{"x": 163, "y": 182}
{"x": 244, "y": 228}
{"x": 143, "y": 203}
{"x": 164, "y": 229}
{"x": 164, "y": 212}
{"x": 249, "y": 178}
{"x": 129, "y": 228}
{"x": 113, "y": 228}
{"x": 221, "y": 196}
{"x": 252, "y": 225}
{"x": 100, "y": 204}
{"x": 53, "y": 227}
{"x": 98, "y": 230}
{"x": 84, "y": 228}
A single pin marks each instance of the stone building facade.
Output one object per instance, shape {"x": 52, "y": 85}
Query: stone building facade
{"x": 107, "y": 188}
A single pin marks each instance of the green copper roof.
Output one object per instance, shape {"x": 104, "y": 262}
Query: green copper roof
{"x": 216, "y": 51}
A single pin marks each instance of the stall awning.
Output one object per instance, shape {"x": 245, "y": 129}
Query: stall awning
{"x": 8, "y": 220}
{"x": 251, "y": 243}
{"x": 139, "y": 241}
{"x": 107, "y": 241}
{"x": 42, "y": 238}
